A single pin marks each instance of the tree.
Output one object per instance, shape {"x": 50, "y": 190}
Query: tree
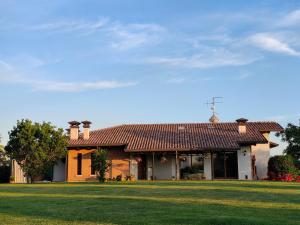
{"x": 100, "y": 164}
{"x": 36, "y": 147}
{"x": 3, "y": 157}
{"x": 4, "y": 160}
{"x": 291, "y": 135}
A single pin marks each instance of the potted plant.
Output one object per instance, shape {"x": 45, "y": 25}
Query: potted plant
{"x": 11, "y": 179}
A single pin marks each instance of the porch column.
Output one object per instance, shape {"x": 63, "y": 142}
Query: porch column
{"x": 176, "y": 166}
{"x": 212, "y": 165}
{"x": 153, "y": 158}
{"x": 133, "y": 166}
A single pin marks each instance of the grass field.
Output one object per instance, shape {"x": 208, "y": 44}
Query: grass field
{"x": 218, "y": 202}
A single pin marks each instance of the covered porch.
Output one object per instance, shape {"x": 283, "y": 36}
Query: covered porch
{"x": 193, "y": 165}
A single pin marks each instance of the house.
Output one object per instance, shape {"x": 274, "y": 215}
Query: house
{"x": 232, "y": 150}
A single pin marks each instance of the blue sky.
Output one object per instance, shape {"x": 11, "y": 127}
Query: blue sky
{"x": 116, "y": 62}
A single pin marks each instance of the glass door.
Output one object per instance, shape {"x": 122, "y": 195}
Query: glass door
{"x": 225, "y": 165}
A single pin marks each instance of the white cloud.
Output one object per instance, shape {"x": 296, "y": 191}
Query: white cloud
{"x": 213, "y": 57}
{"x": 5, "y": 66}
{"x": 120, "y": 36}
{"x": 291, "y": 19}
{"x": 64, "y": 26}
{"x": 271, "y": 43}
{"x": 78, "y": 86}
{"x": 176, "y": 80}
{"x": 9, "y": 75}
{"x": 135, "y": 35}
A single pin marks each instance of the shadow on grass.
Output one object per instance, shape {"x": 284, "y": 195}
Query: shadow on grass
{"x": 131, "y": 210}
{"x": 197, "y": 191}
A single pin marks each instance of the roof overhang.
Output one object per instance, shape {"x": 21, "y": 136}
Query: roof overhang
{"x": 94, "y": 145}
{"x": 273, "y": 144}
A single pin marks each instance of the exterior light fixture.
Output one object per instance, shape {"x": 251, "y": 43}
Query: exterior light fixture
{"x": 163, "y": 159}
{"x": 138, "y": 159}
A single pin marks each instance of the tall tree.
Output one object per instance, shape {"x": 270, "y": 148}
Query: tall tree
{"x": 291, "y": 135}
{"x": 36, "y": 147}
{"x": 3, "y": 157}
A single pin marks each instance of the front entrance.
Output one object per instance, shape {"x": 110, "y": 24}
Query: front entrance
{"x": 225, "y": 165}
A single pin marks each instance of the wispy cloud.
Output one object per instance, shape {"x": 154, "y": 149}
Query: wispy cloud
{"x": 69, "y": 26}
{"x": 120, "y": 36}
{"x": 290, "y": 19}
{"x": 271, "y": 43}
{"x": 78, "y": 86}
{"x": 214, "y": 57}
{"x": 25, "y": 60}
{"x": 9, "y": 75}
{"x": 135, "y": 35}
{"x": 176, "y": 80}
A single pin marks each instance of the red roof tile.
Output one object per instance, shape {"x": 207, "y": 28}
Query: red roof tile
{"x": 186, "y": 136}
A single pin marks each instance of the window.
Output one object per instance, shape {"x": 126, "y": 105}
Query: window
{"x": 92, "y": 168}
{"x": 79, "y": 164}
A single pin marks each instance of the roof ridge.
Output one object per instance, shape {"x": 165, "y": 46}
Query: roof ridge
{"x": 107, "y": 128}
{"x": 178, "y": 124}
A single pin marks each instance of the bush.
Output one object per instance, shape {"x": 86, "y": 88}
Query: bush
{"x": 100, "y": 164}
{"x": 282, "y": 168}
{"x": 12, "y": 179}
{"x": 119, "y": 177}
{"x": 191, "y": 170}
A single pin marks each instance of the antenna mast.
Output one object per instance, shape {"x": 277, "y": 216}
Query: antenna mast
{"x": 214, "y": 118}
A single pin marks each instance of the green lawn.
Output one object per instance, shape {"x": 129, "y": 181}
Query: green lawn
{"x": 203, "y": 202}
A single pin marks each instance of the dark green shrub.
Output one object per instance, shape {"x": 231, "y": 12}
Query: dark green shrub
{"x": 119, "y": 177}
{"x": 4, "y": 173}
{"x": 281, "y": 165}
{"x": 100, "y": 164}
{"x": 191, "y": 170}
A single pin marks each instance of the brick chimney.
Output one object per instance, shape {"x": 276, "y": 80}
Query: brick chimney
{"x": 86, "y": 129}
{"x": 242, "y": 125}
{"x": 74, "y": 130}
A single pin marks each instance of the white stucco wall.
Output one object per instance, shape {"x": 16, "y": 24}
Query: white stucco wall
{"x": 59, "y": 172}
{"x": 133, "y": 167}
{"x": 244, "y": 163}
{"x": 262, "y": 155}
{"x": 207, "y": 167}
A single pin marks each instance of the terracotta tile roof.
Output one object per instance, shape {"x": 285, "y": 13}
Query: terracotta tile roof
{"x": 185, "y": 136}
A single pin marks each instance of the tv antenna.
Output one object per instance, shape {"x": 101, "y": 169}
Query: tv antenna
{"x": 215, "y": 100}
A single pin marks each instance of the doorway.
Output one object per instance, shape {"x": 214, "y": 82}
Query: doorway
{"x": 142, "y": 167}
{"x": 225, "y": 165}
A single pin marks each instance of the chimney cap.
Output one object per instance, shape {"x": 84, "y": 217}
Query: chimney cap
{"x": 242, "y": 120}
{"x": 74, "y": 123}
{"x": 86, "y": 123}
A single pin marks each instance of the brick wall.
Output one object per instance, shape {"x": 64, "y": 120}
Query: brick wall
{"x": 120, "y": 164}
